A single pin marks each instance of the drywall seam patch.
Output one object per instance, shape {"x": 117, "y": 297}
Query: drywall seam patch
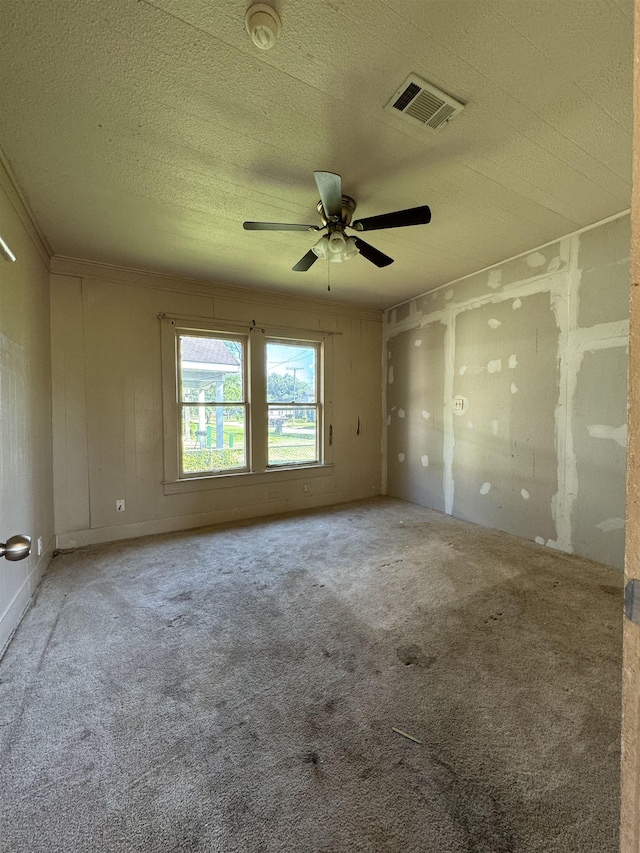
{"x": 530, "y": 287}
{"x": 617, "y": 434}
{"x": 603, "y": 336}
{"x": 386, "y": 418}
{"x": 566, "y": 239}
{"x": 564, "y": 304}
{"x": 448, "y": 441}
{"x": 610, "y": 524}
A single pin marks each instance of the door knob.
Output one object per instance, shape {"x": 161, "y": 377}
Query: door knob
{"x": 16, "y": 547}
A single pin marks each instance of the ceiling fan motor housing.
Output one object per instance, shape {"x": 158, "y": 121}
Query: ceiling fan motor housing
{"x": 348, "y": 209}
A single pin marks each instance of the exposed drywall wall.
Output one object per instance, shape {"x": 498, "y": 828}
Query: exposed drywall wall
{"x": 415, "y": 442}
{"x": 535, "y": 351}
{"x": 26, "y": 480}
{"x": 108, "y": 415}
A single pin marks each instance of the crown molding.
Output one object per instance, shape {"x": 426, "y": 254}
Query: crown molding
{"x": 16, "y": 196}
{"x": 79, "y": 268}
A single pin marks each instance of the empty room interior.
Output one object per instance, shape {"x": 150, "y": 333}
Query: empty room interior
{"x": 326, "y": 528}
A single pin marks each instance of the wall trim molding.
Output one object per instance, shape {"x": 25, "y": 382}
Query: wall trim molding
{"x": 15, "y": 612}
{"x": 100, "y": 535}
{"x": 20, "y": 204}
{"x": 77, "y": 267}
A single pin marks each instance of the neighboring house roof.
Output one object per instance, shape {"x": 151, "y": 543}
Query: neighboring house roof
{"x": 207, "y": 350}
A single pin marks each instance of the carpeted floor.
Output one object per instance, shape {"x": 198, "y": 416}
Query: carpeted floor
{"x": 234, "y": 689}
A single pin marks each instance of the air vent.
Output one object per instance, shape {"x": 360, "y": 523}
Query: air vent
{"x": 423, "y": 104}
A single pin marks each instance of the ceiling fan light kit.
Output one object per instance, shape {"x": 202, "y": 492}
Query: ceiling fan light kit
{"x": 335, "y": 247}
{"x": 335, "y": 212}
{"x": 263, "y": 25}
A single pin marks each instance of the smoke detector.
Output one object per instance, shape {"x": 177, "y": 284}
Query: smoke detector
{"x": 422, "y": 104}
{"x": 263, "y": 25}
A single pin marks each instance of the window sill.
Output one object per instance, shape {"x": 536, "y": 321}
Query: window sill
{"x": 246, "y": 478}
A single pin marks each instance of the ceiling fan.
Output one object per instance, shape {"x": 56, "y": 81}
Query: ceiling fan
{"x": 335, "y": 212}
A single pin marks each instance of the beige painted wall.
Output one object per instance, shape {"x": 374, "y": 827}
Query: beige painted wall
{"x": 107, "y": 415}
{"x": 536, "y": 348}
{"x": 26, "y": 485}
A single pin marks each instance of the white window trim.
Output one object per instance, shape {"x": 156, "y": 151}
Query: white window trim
{"x": 257, "y": 410}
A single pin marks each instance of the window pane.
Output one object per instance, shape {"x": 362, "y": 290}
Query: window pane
{"x": 292, "y": 437}
{"x": 291, "y": 373}
{"x": 210, "y": 370}
{"x": 213, "y": 438}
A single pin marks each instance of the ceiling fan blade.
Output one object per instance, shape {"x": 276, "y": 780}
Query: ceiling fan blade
{"x": 304, "y": 263}
{"x": 330, "y": 189}
{"x": 372, "y": 254}
{"x": 277, "y": 226}
{"x": 397, "y": 219}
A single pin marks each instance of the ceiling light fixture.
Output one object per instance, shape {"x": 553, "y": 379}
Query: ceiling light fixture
{"x": 6, "y": 252}
{"x": 263, "y": 25}
{"x": 335, "y": 247}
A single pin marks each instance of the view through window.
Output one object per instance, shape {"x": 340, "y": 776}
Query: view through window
{"x": 215, "y": 404}
{"x": 292, "y": 398}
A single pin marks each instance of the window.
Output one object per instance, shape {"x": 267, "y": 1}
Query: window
{"x": 292, "y": 401}
{"x": 213, "y": 404}
{"x": 241, "y": 403}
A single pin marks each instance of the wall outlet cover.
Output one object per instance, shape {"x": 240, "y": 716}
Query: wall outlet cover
{"x": 120, "y": 505}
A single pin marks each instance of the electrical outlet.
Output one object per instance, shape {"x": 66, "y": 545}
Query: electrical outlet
{"x": 120, "y": 505}
{"x": 39, "y": 545}
{"x": 458, "y": 404}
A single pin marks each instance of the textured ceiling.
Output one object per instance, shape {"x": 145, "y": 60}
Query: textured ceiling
{"x": 144, "y": 133}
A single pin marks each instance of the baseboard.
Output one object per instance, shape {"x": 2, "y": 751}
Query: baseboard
{"x": 11, "y": 618}
{"x": 101, "y": 535}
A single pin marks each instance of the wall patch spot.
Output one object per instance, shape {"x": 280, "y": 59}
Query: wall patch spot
{"x": 393, "y": 408}
{"x": 391, "y": 375}
{"x": 388, "y": 419}
{"x": 617, "y": 434}
{"x": 463, "y": 370}
{"x": 514, "y": 388}
{"x": 484, "y": 488}
{"x": 469, "y": 425}
{"x": 539, "y": 540}
{"x": 554, "y": 264}
{"x": 495, "y": 279}
{"x": 610, "y": 524}
{"x": 418, "y": 342}
{"x": 537, "y": 259}
{"x": 425, "y": 414}
{"x": 517, "y": 303}
{"x": 494, "y": 427}
{"x": 448, "y": 295}
{"x": 425, "y": 461}
{"x": 400, "y": 457}
{"x": 513, "y": 362}
{"x": 494, "y": 366}
{"x": 401, "y": 413}
{"x": 525, "y": 494}
{"x": 494, "y": 323}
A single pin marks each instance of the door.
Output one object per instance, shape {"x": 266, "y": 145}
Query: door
{"x": 630, "y": 815}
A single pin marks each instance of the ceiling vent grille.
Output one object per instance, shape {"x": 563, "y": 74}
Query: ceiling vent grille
{"x": 423, "y": 104}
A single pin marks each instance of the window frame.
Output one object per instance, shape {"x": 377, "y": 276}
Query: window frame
{"x": 317, "y": 405}
{"x": 257, "y": 470}
{"x": 182, "y": 404}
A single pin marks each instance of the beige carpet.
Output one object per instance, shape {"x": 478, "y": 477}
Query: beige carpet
{"x": 235, "y": 689}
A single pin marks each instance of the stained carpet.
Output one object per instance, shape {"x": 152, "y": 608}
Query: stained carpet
{"x": 236, "y": 688}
